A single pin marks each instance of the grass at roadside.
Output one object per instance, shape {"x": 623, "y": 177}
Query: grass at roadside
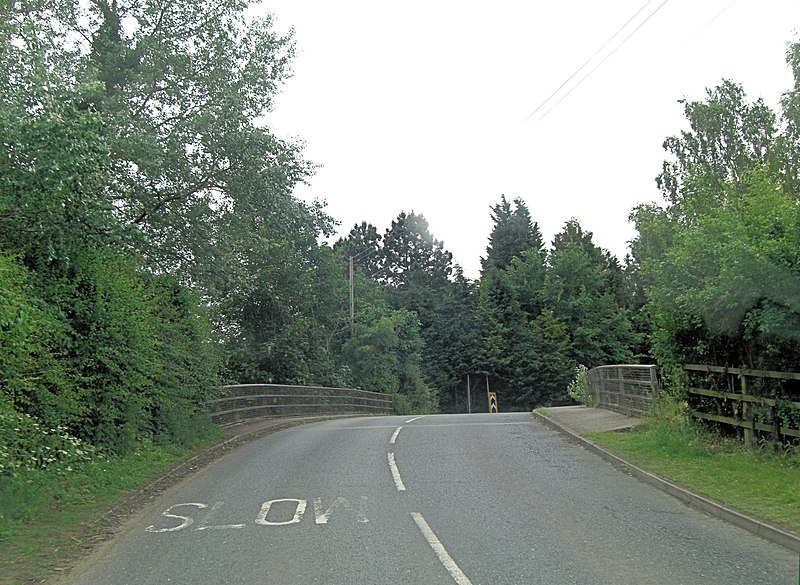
{"x": 758, "y": 482}
{"x": 48, "y": 516}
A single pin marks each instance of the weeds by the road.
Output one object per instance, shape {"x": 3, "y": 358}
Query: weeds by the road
{"x": 757, "y": 481}
{"x": 47, "y": 516}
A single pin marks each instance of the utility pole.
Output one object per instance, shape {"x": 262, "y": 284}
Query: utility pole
{"x": 352, "y": 302}
{"x": 469, "y": 398}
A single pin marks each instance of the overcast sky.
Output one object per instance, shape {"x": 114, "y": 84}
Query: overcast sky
{"x": 424, "y": 105}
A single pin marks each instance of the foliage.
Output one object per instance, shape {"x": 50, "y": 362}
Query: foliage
{"x": 31, "y": 375}
{"x": 578, "y": 289}
{"x": 417, "y": 276}
{"x": 578, "y": 388}
{"x": 384, "y": 356}
{"x": 512, "y": 234}
{"x": 719, "y": 261}
{"x": 411, "y": 255}
{"x": 363, "y": 244}
{"x": 26, "y": 444}
{"x": 98, "y": 344}
{"x": 543, "y": 312}
{"x": 47, "y": 515}
{"x": 180, "y": 87}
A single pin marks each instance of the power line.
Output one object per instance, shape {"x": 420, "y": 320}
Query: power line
{"x": 364, "y": 252}
{"x": 578, "y": 70}
{"x": 660, "y": 6}
{"x": 595, "y": 55}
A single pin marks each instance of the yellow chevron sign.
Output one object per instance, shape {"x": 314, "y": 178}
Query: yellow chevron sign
{"x": 492, "y": 401}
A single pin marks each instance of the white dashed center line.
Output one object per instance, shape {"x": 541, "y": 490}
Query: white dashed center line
{"x": 455, "y": 572}
{"x": 394, "y": 436}
{"x": 398, "y": 482}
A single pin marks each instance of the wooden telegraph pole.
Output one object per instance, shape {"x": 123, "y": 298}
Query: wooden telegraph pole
{"x": 469, "y": 398}
{"x": 352, "y": 301}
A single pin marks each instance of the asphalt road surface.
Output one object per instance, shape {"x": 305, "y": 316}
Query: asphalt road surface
{"x": 435, "y": 500}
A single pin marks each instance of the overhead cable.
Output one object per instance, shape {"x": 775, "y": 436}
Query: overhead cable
{"x": 589, "y": 60}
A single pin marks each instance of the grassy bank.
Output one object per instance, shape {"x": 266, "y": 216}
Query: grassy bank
{"x": 48, "y": 517}
{"x": 757, "y": 481}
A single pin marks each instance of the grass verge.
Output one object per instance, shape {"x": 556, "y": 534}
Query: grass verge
{"x": 756, "y": 481}
{"x": 49, "y": 517}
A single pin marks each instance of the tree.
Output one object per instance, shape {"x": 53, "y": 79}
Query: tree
{"x": 578, "y": 292}
{"x": 283, "y": 317}
{"x": 545, "y": 369}
{"x": 131, "y": 152}
{"x": 363, "y": 244}
{"x": 452, "y": 340}
{"x": 528, "y": 273}
{"x": 174, "y": 91}
{"x": 729, "y": 137}
{"x": 718, "y": 261}
{"x": 423, "y": 279}
{"x": 411, "y": 254}
{"x": 502, "y": 323}
{"x": 385, "y": 355}
{"x": 512, "y": 234}
{"x": 727, "y": 290}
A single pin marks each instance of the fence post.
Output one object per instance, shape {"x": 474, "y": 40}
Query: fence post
{"x": 747, "y": 411}
{"x": 776, "y": 427}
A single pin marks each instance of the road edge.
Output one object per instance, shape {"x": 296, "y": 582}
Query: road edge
{"x": 752, "y": 525}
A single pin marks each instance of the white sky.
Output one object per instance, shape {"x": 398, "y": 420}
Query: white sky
{"x": 421, "y": 105}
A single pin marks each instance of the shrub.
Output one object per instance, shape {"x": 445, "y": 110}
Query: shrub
{"x": 26, "y": 444}
{"x": 578, "y": 388}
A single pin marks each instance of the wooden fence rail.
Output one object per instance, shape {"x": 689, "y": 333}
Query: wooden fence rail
{"x": 777, "y": 416}
{"x": 246, "y": 401}
{"x": 628, "y": 389}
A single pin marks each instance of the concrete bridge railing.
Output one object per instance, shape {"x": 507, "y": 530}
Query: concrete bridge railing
{"x": 627, "y": 389}
{"x": 248, "y": 401}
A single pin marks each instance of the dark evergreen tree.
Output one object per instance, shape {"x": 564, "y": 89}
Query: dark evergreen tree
{"x": 578, "y": 291}
{"x": 411, "y": 254}
{"x": 363, "y": 244}
{"x": 512, "y": 234}
{"x": 421, "y": 277}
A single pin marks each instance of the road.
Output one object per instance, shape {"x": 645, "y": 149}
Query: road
{"x": 434, "y": 500}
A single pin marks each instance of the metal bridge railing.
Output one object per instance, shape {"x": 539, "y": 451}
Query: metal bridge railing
{"x": 247, "y": 401}
{"x": 627, "y": 389}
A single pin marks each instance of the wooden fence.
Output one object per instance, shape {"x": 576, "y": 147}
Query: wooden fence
{"x": 248, "y": 401}
{"x": 630, "y": 389}
{"x": 759, "y": 402}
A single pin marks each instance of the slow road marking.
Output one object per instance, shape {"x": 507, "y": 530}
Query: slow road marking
{"x": 299, "y": 510}
{"x": 186, "y": 521}
{"x": 455, "y": 572}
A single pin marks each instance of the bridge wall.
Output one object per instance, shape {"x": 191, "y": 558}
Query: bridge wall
{"x": 627, "y": 389}
{"x": 248, "y": 401}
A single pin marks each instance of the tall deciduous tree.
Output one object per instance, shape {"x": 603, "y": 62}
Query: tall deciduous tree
{"x": 719, "y": 260}
{"x": 385, "y": 356}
